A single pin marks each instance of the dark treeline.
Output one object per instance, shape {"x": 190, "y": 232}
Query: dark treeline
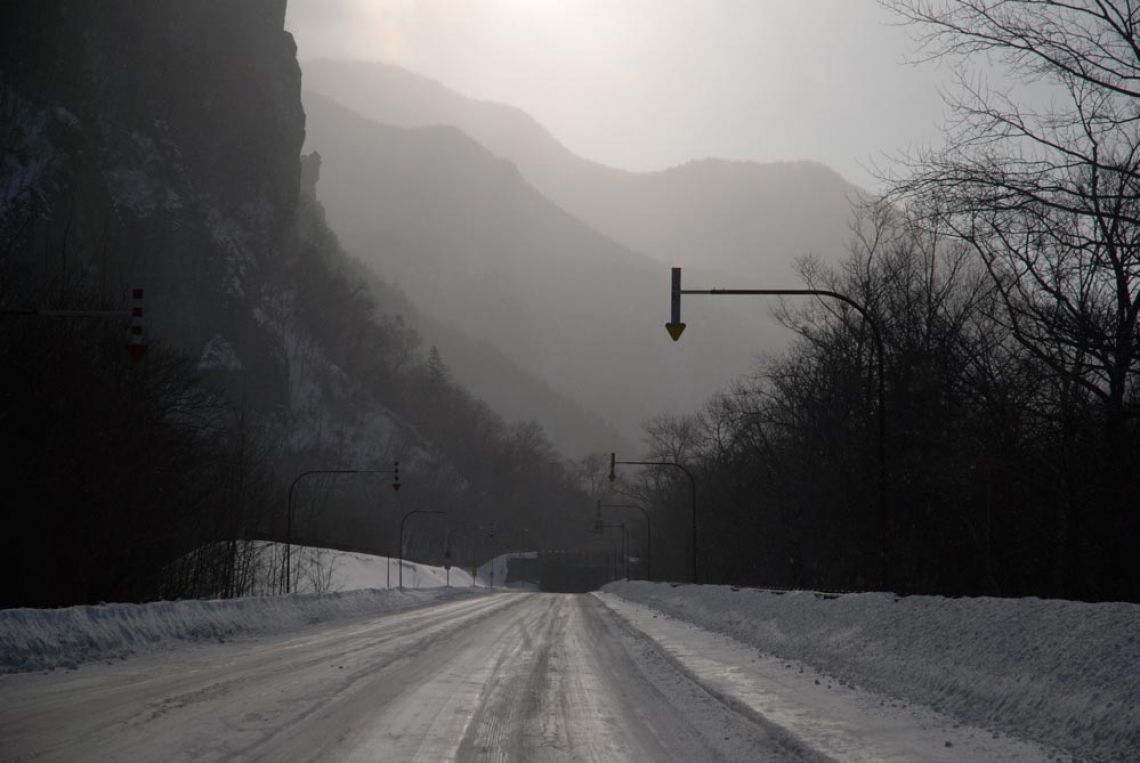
{"x": 124, "y": 481}
{"x": 1004, "y": 272}
{"x": 1004, "y": 478}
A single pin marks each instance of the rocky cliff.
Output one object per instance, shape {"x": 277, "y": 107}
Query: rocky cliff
{"x": 156, "y": 143}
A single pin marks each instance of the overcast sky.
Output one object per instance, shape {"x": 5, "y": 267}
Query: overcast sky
{"x": 647, "y": 84}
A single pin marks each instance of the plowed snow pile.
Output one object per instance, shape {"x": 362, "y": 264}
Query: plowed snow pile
{"x": 1060, "y": 672}
{"x": 346, "y": 586}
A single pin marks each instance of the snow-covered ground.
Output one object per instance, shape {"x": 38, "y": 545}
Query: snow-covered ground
{"x": 1065, "y": 674}
{"x": 324, "y": 570}
{"x": 509, "y": 676}
{"x": 329, "y": 570}
{"x": 860, "y": 677}
{"x": 42, "y": 639}
{"x": 334, "y": 585}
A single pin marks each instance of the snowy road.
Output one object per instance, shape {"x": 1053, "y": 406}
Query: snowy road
{"x": 508, "y": 677}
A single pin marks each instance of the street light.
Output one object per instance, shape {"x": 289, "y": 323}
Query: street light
{"x": 395, "y": 471}
{"x": 402, "y": 521}
{"x": 675, "y": 327}
{"x": 692, "y": 484}
{"x": 648, "y": 534}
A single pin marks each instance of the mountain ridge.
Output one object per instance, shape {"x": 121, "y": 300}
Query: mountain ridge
{"x": 748, "y": 219}
{"x": 477, "y": 246}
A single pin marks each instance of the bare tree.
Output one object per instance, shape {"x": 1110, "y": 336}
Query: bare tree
{"x": 1046, "y": 192}
{"x": 1048, "y": 197}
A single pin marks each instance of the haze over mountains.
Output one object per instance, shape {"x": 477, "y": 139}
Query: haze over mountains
{"x": 743, "y": 218}
{"x": 559, "y": 263}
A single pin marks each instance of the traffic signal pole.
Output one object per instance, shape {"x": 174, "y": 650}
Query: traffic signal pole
{"x": 692, "y": 484}
{"x": 675, "y": 328}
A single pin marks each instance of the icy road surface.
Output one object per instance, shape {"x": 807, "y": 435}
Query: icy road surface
{"x": 531, "y": 677}
{"x": 526, "y": 677}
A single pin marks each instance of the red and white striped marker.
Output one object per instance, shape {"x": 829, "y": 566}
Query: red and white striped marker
{"x": 137, "y": 346}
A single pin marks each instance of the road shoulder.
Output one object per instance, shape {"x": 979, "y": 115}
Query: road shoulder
{"x": 833, "y": 718}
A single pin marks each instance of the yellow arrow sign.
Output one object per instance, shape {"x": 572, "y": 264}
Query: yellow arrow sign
{"x": 675, "y": 330}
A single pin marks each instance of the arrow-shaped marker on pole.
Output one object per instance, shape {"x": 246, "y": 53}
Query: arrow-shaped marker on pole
{"x": 675, "y": 327}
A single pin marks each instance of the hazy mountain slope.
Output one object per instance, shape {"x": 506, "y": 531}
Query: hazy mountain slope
{"x": 518, "y": 394}
{"x": 512, "y": 391}
{"x": 475, "y": 246}
{"x": 744, "y": 218}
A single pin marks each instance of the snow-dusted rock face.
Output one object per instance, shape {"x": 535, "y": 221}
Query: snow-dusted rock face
{"x": 214, "y": 81}
{"x": 159, "y": 146}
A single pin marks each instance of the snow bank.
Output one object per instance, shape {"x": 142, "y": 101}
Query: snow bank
{"x": 1063, "y": 673}
{"x": 332, "y": 585}
{"x": 325, "y": 569}
{"x": 40, "y": 639}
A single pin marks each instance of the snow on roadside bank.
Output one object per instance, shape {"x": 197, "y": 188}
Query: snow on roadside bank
{"x": 42, "y": 639}
{"x": 324, "y": 569}
{"x": 1064, "y": 673}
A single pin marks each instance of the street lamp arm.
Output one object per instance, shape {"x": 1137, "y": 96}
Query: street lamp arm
{"x": 880, "y": 355}
{"x": 289, "y": 508}
{"x": 692, "y": 484}
{"x": 784, "y": 292}
{"x": 863, "y": 311}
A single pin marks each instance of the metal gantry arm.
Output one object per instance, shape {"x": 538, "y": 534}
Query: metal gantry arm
{"x": 692, "y": 483}
{"x": 395, "y": 471}
{"x": 676, "y": 327}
